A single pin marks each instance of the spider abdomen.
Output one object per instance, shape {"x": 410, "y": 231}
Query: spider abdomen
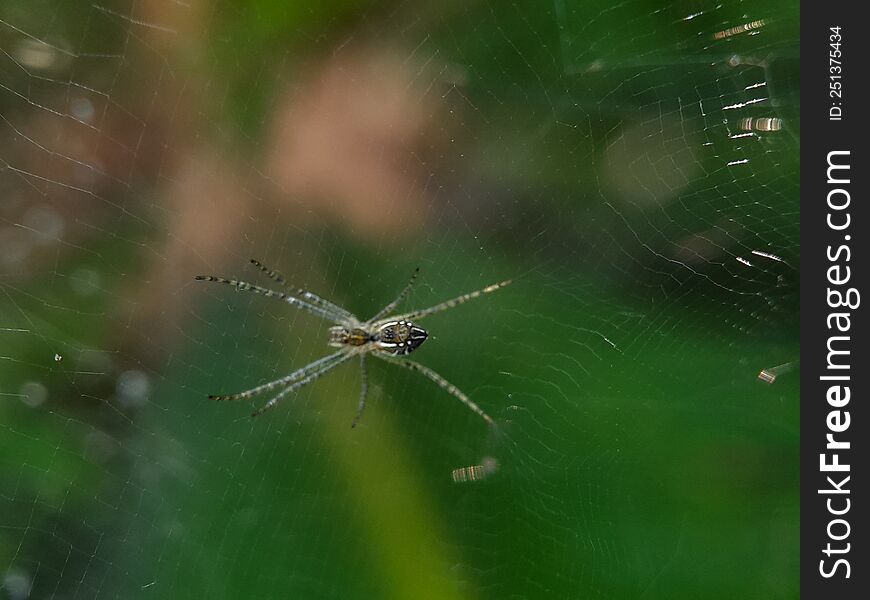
{"x": 399, "y": 337}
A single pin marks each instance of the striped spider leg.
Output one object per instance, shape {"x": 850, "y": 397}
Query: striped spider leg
{"x": 291, "y": 382}
{"x": 387, "y": 337}
{"x": 312, "y": 304}
{"x": 309, "y": 296}
{"x": 418, "y": 335}
{"x": 443, "y": 383}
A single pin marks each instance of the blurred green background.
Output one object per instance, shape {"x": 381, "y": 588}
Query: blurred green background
{"x": 634, "y": 169}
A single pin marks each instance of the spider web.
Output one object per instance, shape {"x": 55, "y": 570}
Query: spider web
{"x": 632, "y": 166}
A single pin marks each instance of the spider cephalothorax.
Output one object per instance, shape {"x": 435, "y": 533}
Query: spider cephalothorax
{"x": 387, "y": 337}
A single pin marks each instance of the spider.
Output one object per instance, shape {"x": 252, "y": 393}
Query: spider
{"x": 389, "y": 337}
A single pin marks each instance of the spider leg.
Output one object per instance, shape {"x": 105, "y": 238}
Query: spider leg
{"x": 302, "y": 382}
{"x": 424, "y": 312}
{"x": 244, "y": 286}
{"x": 443, "y": 383}
{"x": 392, "y": 305}
{"x": 287, "y": 379}
{"x": 308, "y": 296}
{"x": 364, "y": 390}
